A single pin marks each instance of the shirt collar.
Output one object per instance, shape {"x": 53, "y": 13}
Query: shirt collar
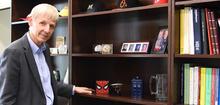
{"x": 34, "y": 47}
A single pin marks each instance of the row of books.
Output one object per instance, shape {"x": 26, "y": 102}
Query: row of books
{"x": 199, "y": 31}
{"x": 200, "y": 85}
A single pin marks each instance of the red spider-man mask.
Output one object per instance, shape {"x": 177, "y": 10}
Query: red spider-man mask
{"x": 102, "y": 87}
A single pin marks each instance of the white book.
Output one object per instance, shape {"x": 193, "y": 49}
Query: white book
{"x": 196, "y": 85}
{"x": 191, "y": 85}
{"x": 191, "y": 32}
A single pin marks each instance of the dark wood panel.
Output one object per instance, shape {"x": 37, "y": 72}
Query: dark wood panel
{"x": 18, "y": 31}
{"x": 121, "y": 99}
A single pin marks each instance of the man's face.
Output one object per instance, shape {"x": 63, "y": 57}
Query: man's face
{"x": 41, "y": 28}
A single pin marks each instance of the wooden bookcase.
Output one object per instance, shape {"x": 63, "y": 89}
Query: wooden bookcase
{"x": 83, "y": 30}
{"x": 115, "y": 27}
{"x": 178, "y": 59}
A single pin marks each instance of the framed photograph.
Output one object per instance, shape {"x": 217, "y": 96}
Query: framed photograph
{"x": 131, "y": 47}
{"x": 160, "y": 44}
{"x": 135, "y": 47}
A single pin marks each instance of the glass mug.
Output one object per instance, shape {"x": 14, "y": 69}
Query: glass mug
{"x": 161, "y": 86}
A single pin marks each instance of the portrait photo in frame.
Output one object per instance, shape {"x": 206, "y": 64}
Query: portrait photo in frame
{"x": 135, "y": 47}
{"x": 160, "y": 44}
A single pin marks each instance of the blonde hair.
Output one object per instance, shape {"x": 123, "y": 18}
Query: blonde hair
{"x": 42, "y": 9}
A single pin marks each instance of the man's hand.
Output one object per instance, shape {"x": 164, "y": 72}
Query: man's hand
{"x": 83, "y": 90}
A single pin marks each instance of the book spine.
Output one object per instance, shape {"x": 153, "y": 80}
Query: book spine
{"x": 191, "y": 32}
{"x": 182, "y": 84}
{"x": 208, "y": 86}
{"x": 215, "y": 31}
{"x": 212, "y": 32}
{"x": 197, "y": 31}
{"x": 203, "y": 86}
{"x": 211, "y": 52}
{"x": 186, "y": 83}
{"x": 191, "y": 85}
{"x": 205, "y": 40}
{"x": 213, "y": 86}
{"x": 196, "y": 85}
{"x": 182, "y": 31}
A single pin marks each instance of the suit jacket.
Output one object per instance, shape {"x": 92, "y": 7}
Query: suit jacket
{"x": 20, "y": 82}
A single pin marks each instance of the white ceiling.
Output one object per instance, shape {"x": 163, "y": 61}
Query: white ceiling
{"x": 5, "y": 4}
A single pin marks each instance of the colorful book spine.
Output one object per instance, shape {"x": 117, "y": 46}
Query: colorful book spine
{"x": 182, "y": 31}
{"x": 211, "y": 47}
{"x": 203, "y": 86}
{"x": 186, "y": 83}
{"x": 213, "y": 86}
{"x": 208, "y": 86}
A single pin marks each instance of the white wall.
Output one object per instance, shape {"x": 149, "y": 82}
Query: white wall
{"x": 5, "y": 4}
{"x": 5, "y": 28}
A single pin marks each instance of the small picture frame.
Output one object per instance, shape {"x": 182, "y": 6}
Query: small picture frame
{"x": 160, "y": 44}
{"x": 135, "y": 47}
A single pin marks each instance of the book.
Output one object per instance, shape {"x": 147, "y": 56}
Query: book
{"x": 186, "y": 31}
{"x": 215, "y": 31}
{"x": 182, "y": 31}
{"x": 182, "y": 84}
{"x": 197, "y": 31}
{"x": 191, "y": 32}
{"x": 208, "y": 86}
{"x": 195, "y": 85}
{"x": 213, "y": 82}
{"x": 205, "y": 41}
{"x": 186, "y": 83}
{"x": 191, "y": 85}
{"x": 203, "y": 86}
{"x": 210, "y": 38}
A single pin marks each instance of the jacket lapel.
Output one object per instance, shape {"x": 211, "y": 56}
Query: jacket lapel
{"x": 31, "y": 62}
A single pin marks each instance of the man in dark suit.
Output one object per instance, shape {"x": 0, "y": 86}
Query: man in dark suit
{"x": 26, "y": 76}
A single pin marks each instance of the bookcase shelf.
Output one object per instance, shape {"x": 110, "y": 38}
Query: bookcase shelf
{"x": 123, "y": 55}
{"x": 125, "y": 99}
{"x": 197, "y": 56}
{"x": 114, "y": 11}
{"x": 19, "y": 22}
{"x": 178, "y": 60}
